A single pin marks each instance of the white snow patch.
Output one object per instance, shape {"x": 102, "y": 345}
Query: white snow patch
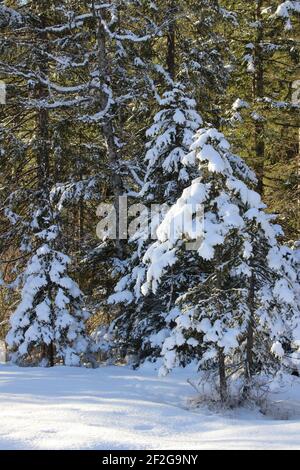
{"x": 117, "y": 408}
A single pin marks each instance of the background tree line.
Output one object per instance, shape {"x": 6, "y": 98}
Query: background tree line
{"x": 91, "y": 87}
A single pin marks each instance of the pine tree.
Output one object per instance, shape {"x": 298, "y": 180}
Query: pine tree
{"x": 263, "y": 120}
{"x": 203, "y": 52}
{"x": 49, "y": 321}
{"x": 81, "y": 78}
{"x": 165, "y": 177}
{"x": 171, "y": 136}
{"x": 29, "y": 206}
{"x": 118, "y": 83}
{"x": 84, "y": 82}
{"x": 235, "y": 310}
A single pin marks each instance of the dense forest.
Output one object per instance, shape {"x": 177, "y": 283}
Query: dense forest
{"x": 157, "y": 109}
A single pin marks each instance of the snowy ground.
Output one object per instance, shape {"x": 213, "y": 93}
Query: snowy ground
{"x": 117, "y": 408}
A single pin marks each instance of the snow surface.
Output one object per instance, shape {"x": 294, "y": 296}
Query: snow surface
{"x": 117, "y": 408}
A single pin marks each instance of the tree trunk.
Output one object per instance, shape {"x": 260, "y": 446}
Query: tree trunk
{"x": 222, "y": 376}
{"x": 43, "y": 155}
{"x": 221, "y": 355}
{"x": 108, "y": 131}
{"x": 258, "y": 92}
{"x": 250, "y": 331}
{"x": 171, "y": 39}
{"x": 51, "y": 354}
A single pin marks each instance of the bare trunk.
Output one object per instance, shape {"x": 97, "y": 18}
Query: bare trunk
{"x": 250, "y": 331}
{"x": 108, "y": 131}
{"x": 50, "y": 354}
{"x": 171, "y": 39}
{"x": 221, "y": 355}
{"x": 222, "y": 377}
{"x": 43, "y": 160}
{"x": 43, "y": 147}
{"x": 258, "y": 92}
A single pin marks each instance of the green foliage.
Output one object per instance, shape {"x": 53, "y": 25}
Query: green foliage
{"x": 50, "y": 62}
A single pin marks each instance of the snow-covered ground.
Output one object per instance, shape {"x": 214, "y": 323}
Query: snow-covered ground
{"x": 117, "y": 408}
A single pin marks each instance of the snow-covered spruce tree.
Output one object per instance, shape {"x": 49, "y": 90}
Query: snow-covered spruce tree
{"x": 170, "y": 138}
{"x": 195, "y": 62}
{"x": 49, "y": 321}
{"x": 235, "y": 312}
{"x": 291, "y": 349}
{"x": 272, "y": 299}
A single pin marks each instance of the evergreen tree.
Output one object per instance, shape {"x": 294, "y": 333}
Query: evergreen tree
{"x": 263, "y": 121}
{"x": 28, "y": 206}
{"x": 239, "y": 297}
{"x": 84, "y": 82}
{"x": 49, "y": 320}
{"x": 165, "y": 177}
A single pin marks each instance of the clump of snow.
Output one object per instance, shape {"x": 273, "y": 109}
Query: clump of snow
{"x": 285, "y": 10}
{"x": 277, "y": 349}
{"x": 240, "y": 104}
